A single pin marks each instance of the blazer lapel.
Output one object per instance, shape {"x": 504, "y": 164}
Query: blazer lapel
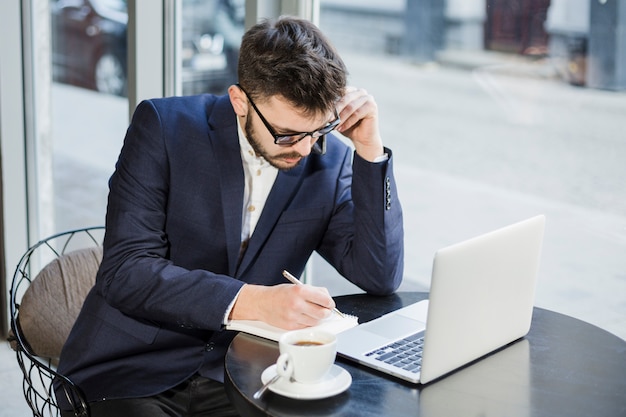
{"x": 286, "y": 184}
{"x": 225, "y": 144}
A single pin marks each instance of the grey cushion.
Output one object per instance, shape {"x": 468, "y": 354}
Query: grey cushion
{"x": 53, "y": 300}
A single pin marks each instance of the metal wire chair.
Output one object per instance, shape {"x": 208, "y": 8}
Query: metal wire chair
{"x": 38, "y": 371}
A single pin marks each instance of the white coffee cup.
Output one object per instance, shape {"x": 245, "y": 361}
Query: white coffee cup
{"x": 306, "y": 355}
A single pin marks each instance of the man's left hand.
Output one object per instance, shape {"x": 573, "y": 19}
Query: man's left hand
{"x": 359, "y": 122}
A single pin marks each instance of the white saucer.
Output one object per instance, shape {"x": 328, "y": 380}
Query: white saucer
{"x": 336, "y": 381}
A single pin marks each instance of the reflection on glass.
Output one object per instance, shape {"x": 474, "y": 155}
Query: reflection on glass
{"x": 89, "y": 108}
{"x": 496, "y": 111}
{"x": 89, "y": 44}
{"x": 89, "y": 111}
{"x": 212, "y": 31}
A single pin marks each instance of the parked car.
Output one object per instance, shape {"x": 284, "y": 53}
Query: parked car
{"x": 89, "y": 46}
{"x": 89, "y": 43}
{"x": 211, "y": 34}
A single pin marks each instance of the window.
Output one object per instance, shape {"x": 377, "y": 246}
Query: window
{"x": 496, "y": 113}
{"x": 88, "y": 105}
{"x": 211, "y": 34}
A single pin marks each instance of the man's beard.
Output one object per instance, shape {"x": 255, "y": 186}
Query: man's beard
{"x": 260, "y": 151}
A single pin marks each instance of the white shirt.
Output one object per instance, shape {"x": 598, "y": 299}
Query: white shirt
{"x": 259, "y": 177}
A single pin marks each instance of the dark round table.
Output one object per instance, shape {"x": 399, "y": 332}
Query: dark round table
{"x": 563, "y": 367}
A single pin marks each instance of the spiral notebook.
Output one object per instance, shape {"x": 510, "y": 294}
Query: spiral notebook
{"x": 333, "y": 323}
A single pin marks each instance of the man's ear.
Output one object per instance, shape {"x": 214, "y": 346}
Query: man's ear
{"x": 239, "y": 100}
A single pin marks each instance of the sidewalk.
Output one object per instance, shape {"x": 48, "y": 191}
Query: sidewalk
{"x": 503, "y": 63}
{"x": 11, "y": 396}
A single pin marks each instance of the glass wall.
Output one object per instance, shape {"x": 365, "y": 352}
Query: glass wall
{"x": 496, "y": 113}
{"x": 89, "y": 104}
{"x": 64, "y": 110}
{"x": 211, "y": 34}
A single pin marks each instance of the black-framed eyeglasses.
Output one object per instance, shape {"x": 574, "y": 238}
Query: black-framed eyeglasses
{"x": 289, "y": 139}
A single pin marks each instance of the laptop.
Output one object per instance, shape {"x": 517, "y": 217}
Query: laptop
{"x": 481, "y": 298}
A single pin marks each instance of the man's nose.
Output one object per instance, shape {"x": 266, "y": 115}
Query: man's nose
{"x": 304, "y": 146}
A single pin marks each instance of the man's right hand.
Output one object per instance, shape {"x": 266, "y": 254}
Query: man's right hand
{"x": 287, "y": 306}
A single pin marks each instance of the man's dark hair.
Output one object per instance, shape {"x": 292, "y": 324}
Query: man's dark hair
{"x": 291, "y": 57}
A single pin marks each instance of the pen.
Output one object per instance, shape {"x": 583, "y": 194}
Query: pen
{"x": 296, "y": 281}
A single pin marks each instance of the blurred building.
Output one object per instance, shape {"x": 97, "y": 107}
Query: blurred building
{"x": 585, "y": 40}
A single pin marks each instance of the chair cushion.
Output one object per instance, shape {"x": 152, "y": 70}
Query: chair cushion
{"x": 53, "y": 300}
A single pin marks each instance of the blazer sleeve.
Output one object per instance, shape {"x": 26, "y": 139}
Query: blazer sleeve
{"x": 136, "y": 275}
{"x": 365, "y": 236}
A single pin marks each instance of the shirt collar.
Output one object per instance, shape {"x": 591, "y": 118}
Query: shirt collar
{"x": 248, "y": 156}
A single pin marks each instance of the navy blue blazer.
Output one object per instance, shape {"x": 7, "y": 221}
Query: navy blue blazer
{"x": 171, "y": 249}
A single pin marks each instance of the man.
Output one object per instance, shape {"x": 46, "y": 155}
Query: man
{"x": 212, "y": 197}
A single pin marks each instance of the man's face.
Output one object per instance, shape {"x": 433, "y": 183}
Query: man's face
{"x": 283, "y": 118}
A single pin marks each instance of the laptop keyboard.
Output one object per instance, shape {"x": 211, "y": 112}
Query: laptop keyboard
{"x": 404, "y": 353}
